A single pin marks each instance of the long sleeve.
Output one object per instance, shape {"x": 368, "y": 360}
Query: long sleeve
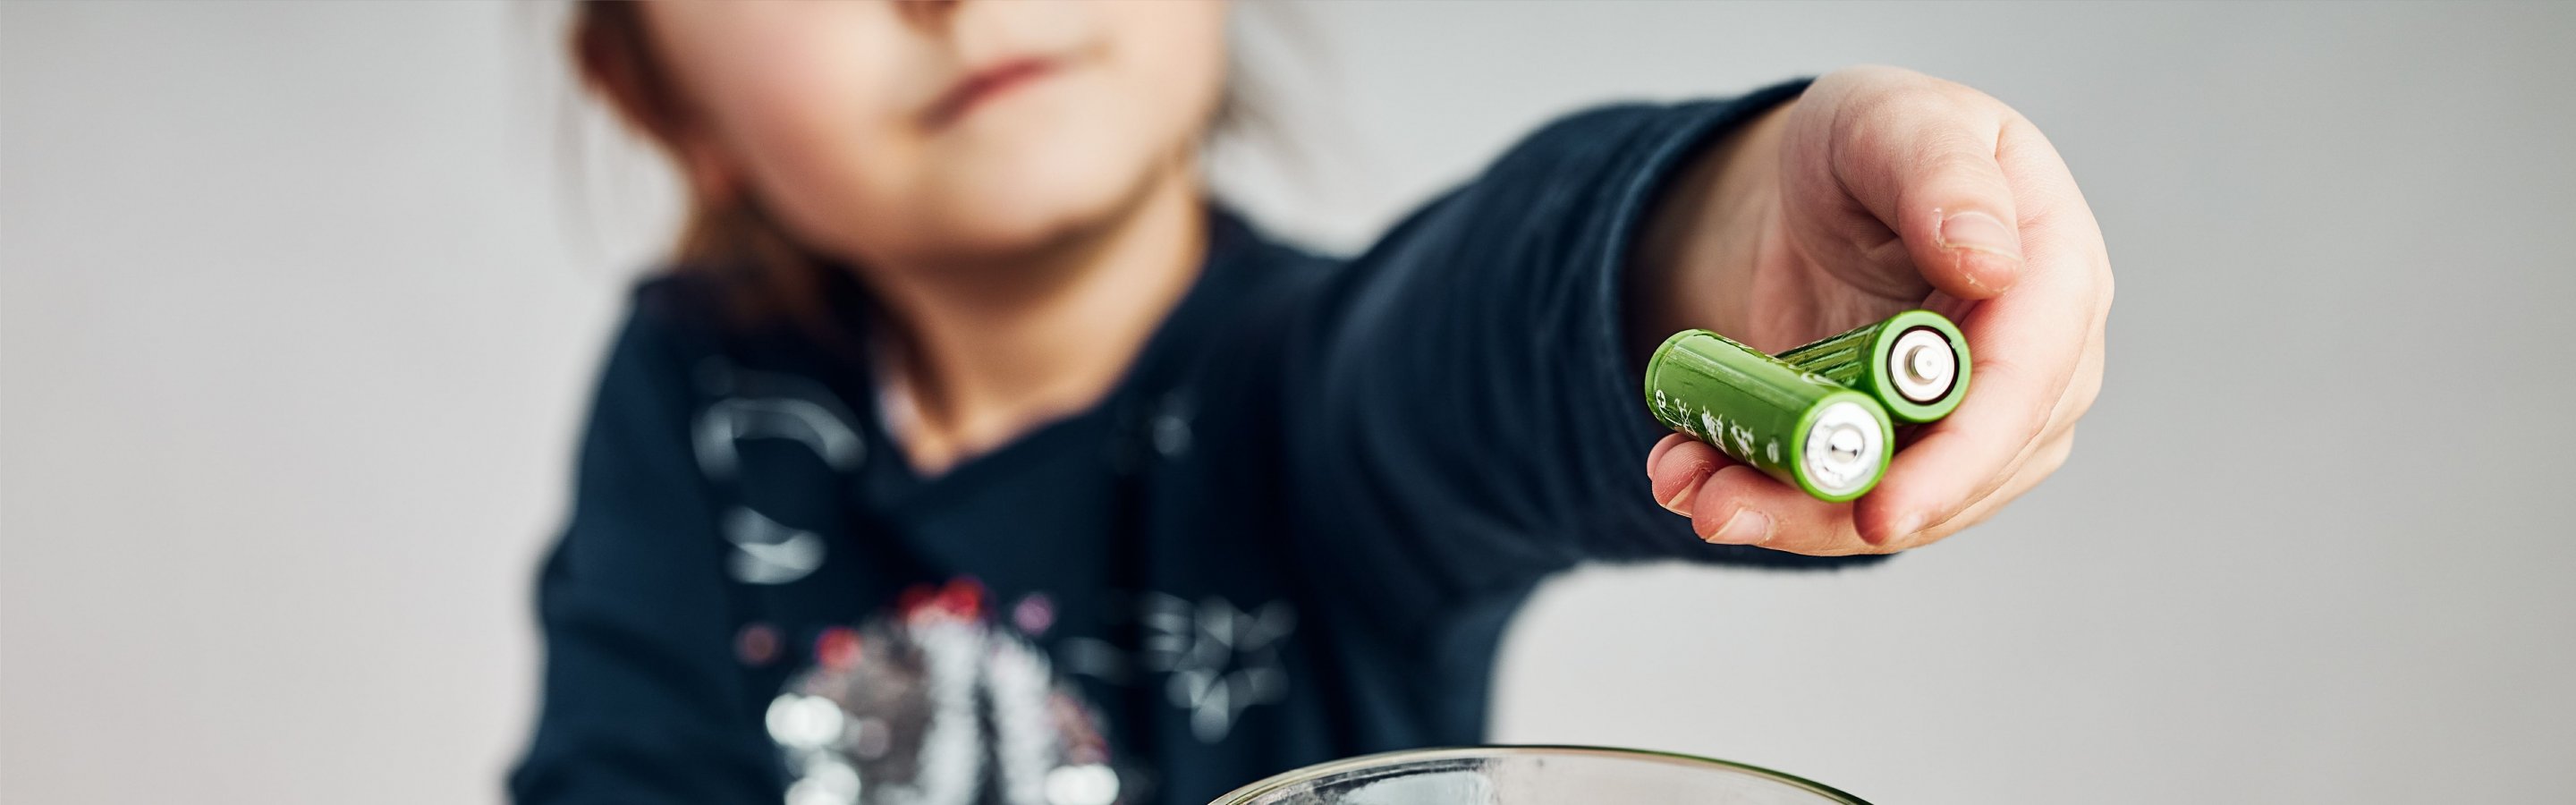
{"x": 1463, "y": 410}
{"x": 642, "y": 703}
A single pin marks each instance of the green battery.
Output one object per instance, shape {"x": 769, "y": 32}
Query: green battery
{"x": 1915, "y": 363}
{"x": 1801, "y": 428}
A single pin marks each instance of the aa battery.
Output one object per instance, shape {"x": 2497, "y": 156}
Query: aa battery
{"x": 1915, "y": 363}
{"x": 1801, "y": 428}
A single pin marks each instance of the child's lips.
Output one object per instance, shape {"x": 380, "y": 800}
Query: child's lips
{"x": 983, "y": 85}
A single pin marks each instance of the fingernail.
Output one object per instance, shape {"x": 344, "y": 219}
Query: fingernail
{"x": 1979, "y": 231}
{"x": 1746, "y": 527}
{"x": 1681, "y": 502}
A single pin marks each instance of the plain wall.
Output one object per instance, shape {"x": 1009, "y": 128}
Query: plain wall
{"x": 299, "y": 304}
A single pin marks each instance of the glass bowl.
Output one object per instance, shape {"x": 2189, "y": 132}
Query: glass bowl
{"x": 1533, "y": 775}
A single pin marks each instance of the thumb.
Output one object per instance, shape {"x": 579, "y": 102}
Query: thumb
{"x": 1922, "y": 160}
{"x": 1966, "y": 243}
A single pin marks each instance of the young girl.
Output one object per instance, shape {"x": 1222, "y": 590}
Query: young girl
{"x": 969, "y": 452}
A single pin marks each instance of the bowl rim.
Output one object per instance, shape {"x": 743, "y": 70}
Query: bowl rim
{"x": 1328, "y": 768}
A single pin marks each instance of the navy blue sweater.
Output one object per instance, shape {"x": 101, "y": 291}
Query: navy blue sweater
{"x": 1295, "y": 531}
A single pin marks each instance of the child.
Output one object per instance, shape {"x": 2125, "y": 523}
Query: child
{"x": 970, "y": 453}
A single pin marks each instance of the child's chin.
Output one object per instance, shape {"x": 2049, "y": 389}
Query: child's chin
{"x": 1034, "y": 213}
{"x": 1001, "y": 230}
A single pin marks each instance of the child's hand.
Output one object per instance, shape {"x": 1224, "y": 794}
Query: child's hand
{"x": 1880, "y": 190}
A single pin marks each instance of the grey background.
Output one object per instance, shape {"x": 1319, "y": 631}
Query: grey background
{"x": 298, "y": 304}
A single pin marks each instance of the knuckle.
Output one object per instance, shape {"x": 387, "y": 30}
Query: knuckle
{"x": 1909, "y": 103}
{"x": 2035, "y": 419}
{"x": 1957, "y": 94}
{"x": 2040, "y": 467}
{"x": 2087, "y": 391}
{"x": 1954, "y": 154}
{"x": 2110, "y": 286}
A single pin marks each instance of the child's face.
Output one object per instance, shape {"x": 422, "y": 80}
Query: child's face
{"x": 912, "y": 133}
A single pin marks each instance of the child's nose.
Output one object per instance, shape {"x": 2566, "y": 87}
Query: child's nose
{"x": 931, "y": 16}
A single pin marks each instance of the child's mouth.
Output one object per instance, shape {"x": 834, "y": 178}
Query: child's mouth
{"x": 984, "y": 85}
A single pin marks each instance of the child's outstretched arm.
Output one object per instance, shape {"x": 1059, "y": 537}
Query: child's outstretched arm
{"x": 1882, "y": 189}
{"x": 1465, "y": 404}
{"x": 1462, "y": 404}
